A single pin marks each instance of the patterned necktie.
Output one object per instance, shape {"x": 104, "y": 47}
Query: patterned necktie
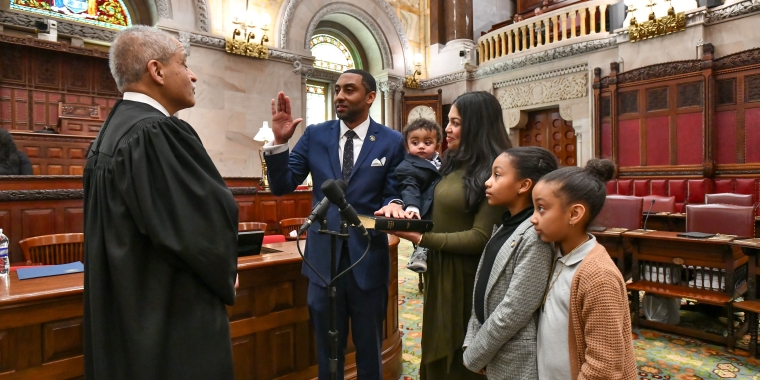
{"x": 348, "y": 155}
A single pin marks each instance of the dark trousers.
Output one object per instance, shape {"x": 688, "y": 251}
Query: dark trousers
{"x": 365, "y": 308}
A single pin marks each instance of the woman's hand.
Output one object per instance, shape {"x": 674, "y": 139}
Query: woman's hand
{"x": 413, "y": 237}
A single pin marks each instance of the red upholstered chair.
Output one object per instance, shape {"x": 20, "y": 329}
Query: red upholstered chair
{"x": 661, "y": 204}
{"x": 730, "y": 199}
{"x": 659, "y": 187}
{"x": 698, "y": 188}
{"x": 721, "y": 219}
{"x": 723, "y": 185}
{"x": 611, "y": 187}
{"x": 620, "y": 211}
{"x": 641, "y": 187}
{"x": 677, "y": 188}
{"x": 625, "y": 187}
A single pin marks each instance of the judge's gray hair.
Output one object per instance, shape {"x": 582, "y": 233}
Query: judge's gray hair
{"x": 134, "y": 47}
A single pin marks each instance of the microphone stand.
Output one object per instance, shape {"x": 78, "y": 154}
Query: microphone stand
{"x": 331, "y": 285}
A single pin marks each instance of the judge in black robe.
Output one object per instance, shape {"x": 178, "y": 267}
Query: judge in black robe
{"x": 160, "y": 247}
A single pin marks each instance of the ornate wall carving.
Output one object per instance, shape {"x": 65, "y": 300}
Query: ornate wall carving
{"x": 660, "y": 70}
{"x": 544, "y": 75}
{"x": 390, "y": 84}
{"x": 359, "y": 14}
{"x": 544, "y": 56}
{"x": 547, "y": 91}
{"x": 64, "y": 28}
{"x": 184, "y": 39}
{"x": 515, "y": 118}
{"x": 566, "y": 111}
{"x": 444, "y": 79}
{"x": 734, "y": 10}
{"x": 202, "y": 12}
{"x": 742, "y": 58}
{"x": 164, "y": 9}
{"x": 290, "y": 9}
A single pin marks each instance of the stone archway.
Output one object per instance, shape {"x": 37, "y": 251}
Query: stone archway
{"x": 289, "y": 8}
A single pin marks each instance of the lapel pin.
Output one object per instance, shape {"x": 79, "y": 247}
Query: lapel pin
{"x": 372, "y": 138}
{"x": 512, "y": 244}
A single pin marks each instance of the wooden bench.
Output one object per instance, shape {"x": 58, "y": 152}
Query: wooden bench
{"x": 751, "y": 303}
{"x": 710, "y": 271}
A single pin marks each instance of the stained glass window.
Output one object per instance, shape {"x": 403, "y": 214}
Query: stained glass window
{"x": 316, "y": 103}
{"x": 104, "y": 13}
{"x": 331, "y": 54}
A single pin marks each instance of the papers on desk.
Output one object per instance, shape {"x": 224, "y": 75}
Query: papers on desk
{"x": 49, "y": 270}
{"x": 754, "y": 243}
{"x": 641, "y": 231}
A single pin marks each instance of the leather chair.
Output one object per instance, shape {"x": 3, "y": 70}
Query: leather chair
{"x": 620, "y": 211}
{"x": 661, "y": 204}
{"x": 721, "y": 219}
{"x": 729, "y": 199}
{"x": 53, "y": 249}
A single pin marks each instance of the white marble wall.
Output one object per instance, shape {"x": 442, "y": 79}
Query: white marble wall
{"x": 486, "y": 13}
{"x": 233, "y": 97}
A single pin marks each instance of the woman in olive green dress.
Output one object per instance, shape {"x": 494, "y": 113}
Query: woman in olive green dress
{"x": 463, "y": 223}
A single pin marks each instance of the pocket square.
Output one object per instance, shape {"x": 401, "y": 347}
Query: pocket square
{"x": 377, "y": 162}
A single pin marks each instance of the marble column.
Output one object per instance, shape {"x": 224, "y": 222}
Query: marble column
{"x": 389, "y": 85}
{"x": 450, "y": 20}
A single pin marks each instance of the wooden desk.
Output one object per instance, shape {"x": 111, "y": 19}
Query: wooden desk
{"x": 41, "y": 323}
{"x": 617, "y": 247}
{"x": 751, "y": 303}
{"x": 706, "y": 270}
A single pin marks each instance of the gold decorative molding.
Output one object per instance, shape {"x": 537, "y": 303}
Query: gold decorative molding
{"x": 248, "y": 49}
{"x": 655, "y": 27}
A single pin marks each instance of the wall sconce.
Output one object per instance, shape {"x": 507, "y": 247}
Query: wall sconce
{"x": 246, "y": 47}
{"x": 654, "y": 27}
{"x": 411, "y": 81}
{"x": 264, "y": 135}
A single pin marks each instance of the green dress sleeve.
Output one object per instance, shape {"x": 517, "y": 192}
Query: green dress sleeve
{"x": 468, "y": 242}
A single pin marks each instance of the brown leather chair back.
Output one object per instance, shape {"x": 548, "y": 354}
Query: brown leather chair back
{"x": 252, "y": 226}
{"x": 661, "y": 204}
{"x": 53, "y": 249}
{"x": 729, "y": 199}
{"x": 721, "y": 219}
{"x": 620, "y": 211}
{"x": 292, "y": 224}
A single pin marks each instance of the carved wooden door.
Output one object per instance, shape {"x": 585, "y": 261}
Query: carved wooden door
{"x": 548, "y": 130}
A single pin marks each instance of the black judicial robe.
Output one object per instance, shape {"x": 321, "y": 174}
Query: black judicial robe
{"x": 160, "y": 255}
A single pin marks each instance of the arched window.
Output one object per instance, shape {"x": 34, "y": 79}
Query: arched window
{"x": 331, "y": 54}
{"x": 104, "y": 13}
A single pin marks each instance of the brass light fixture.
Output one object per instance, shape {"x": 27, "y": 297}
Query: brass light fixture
{"x": 264, "y": 135}
{"x": 244, "y": 46}
{"x": 412, "y": 81}
{"x": 654, "y": 27}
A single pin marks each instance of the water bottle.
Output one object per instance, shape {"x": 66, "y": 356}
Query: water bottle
{"x": 5, "y": 262}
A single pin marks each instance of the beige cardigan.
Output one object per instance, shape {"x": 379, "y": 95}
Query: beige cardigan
{"x": 600, "y": 337}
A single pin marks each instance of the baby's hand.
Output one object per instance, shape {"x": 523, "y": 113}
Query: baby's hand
{"x": 412, "y": 215}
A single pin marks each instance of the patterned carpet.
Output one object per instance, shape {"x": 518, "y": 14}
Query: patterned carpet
{"x": 659, "y": 355}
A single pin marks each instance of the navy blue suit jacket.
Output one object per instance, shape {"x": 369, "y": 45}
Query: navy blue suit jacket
{"x": 369, "y": 189}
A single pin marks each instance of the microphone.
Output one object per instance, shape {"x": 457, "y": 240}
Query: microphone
{"x": 319, "y": 211}
{"x": 334, "y": 192}
{"x": 647, "y": 217}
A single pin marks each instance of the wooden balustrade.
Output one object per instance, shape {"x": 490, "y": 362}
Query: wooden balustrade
{"x": 547, "y": 30}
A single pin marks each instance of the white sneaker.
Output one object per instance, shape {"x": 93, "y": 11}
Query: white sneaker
{"x": 418, "y": 261}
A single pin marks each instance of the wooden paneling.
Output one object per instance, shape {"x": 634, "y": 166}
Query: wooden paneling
{"x": 710, "y": 108}
{"x": 41, "y": 324}
{"x": 548, "y": 130}
{"x": 52, "y": 154}
{"x": 35, "y": 79}
{"x": 33, "y": 206}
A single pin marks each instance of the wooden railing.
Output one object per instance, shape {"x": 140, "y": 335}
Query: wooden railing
{"x": 556, "y": 28}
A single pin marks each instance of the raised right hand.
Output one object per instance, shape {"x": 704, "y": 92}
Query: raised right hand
{"x": 283, "y": 125}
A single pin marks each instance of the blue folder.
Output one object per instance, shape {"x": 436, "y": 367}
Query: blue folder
{"x": 49, "y": 270}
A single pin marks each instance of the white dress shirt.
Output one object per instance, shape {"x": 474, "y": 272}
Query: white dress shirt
{"x": 142, "y": 98}
{"x": 553, "y": 320}
{"x": 361, "y": 134}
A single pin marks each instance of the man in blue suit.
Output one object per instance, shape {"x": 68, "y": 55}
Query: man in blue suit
{"x": 364, "y": 154}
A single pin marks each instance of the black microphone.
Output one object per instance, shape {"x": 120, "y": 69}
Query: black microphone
{"x": 334, "y": 192}
{"x": 647, "y": 217}
{"x": 319, "y": 211}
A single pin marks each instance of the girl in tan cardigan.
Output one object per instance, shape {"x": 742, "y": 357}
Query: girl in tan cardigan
{"x": 584, "y": 329}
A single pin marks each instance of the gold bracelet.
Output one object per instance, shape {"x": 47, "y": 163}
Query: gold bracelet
{"x": 420, "y": 241}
